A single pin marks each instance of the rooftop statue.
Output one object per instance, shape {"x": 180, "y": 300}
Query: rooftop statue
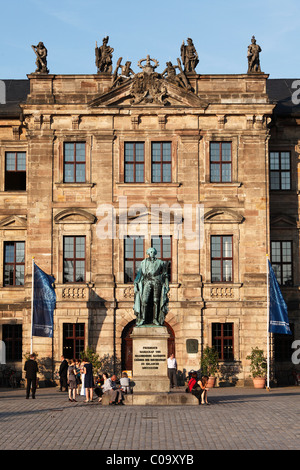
{"x": 253, "y": 57}
{"x": 104, "y": 56}
{"x": 151, "y": 287}
{"x": 41, "y": 58}
{"x": 189, "y": 56}
{"x": 170, "y": 74}
{"x": 126, "y": 72}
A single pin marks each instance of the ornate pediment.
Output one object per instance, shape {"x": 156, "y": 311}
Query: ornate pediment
{"x": 150, "y": 88}
{"x": 221, "y": 215}
{"x": 74, "y": 216}
{"x": 13, "y": 222}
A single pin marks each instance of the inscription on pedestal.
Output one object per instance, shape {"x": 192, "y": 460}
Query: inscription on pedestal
{"x": 150, "y": 357}
{"x": 150, "y": 352}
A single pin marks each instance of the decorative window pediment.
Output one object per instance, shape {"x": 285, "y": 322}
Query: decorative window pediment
{"x": 13, "y": 222}
{"x": 223, "y": 216}
{"x": 74, "y": 216}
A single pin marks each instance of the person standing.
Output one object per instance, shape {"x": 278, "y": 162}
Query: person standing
{"x": 31, "y": 369}
{"x": 82, "y": 390}
{"x": 88, "y": 380}
{"x": 71, "y": 375}
{"x": 172, "y": 370}
{"x": 63, "y": 372}
{"x": 78, "y": 378}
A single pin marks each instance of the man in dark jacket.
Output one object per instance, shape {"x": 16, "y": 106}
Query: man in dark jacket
{"x": 63, "y": 372}
{"x": 31, "y": 369}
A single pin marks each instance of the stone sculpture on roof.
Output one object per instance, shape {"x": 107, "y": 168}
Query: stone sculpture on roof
{"x": 104, "y": 56}
{"x": 170, "y": 74}
{"x": 126, "y": 72}
{"x": 253, "y": 57}
{"x": 150, "y": 87}
{"x": 189, "y": 56}
{"x": 41, "y": 58}
{"x": 146, "y": 86}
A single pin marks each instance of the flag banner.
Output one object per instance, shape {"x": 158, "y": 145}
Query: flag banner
{"x": 44, "y": 300}
{"x": 278, "y": 313}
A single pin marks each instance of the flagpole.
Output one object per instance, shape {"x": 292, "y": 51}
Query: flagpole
{"x": 32, "y": 291}
{"x": 268, "y": 321}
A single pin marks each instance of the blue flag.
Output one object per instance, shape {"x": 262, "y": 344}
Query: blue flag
{"x": 278, "y": 313}
{"x": 44, "y": 300}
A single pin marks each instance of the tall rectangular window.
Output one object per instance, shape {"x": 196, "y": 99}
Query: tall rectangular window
{"x": 282, "y": 262}
{"x": 73, "y": 340}
{"x": 163, "y": 246}
{"x": 14, "y": 263}
{"x": 15, "y": 171}
{"x": 222, "y": 340}
{"x": 74, "y": 259}
{"x": 74, "y": 162}
{"x": 220, "y": 162}
{"x": 12, "y": 337}
{"x": 134, "y": 255}
{"x": 280, "y": 171}
{"x": 161, "y": 161}
{"x": 221, "y": 258}
{"x": 134, "y": 162}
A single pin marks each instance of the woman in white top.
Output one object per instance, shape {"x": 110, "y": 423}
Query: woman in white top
{"x": 125, "y": 383}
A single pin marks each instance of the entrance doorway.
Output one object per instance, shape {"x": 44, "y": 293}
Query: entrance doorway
{"x": 126, "y": 348}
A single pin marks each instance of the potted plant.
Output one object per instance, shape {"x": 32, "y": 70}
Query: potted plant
{"x": 209, "y": 364}
{"x": 258, "y": 367}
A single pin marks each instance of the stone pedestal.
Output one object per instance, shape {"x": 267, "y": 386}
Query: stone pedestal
{"x": 150, "y": 353}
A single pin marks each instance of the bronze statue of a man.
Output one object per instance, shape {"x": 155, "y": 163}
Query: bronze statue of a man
{"x": 151, "y": 287}
{"x": 253, "y": 56}
{"x": 104, "y": 56}
{"x": 41, "y": 58}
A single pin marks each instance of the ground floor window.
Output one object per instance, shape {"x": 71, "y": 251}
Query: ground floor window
{"x": 12, "y": 337}
{"x": 222, "y": 340}
{"x": 73, "y": 340}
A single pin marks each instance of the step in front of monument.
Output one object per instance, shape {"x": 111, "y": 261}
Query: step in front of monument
{"x": 157, "y": 399}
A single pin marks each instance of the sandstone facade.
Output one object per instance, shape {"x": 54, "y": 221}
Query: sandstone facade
{"x": 232, "y": 109}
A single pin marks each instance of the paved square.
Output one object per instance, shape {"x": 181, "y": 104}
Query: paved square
{"x": 237, "y": 419}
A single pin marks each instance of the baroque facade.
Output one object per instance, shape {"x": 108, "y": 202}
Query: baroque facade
{"x": 97, "y": 168}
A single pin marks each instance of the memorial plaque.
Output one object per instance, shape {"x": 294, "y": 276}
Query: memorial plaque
{"x": 191, "y": 346}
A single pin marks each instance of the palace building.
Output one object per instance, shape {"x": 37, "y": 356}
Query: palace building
{"x": 95, "y": 169}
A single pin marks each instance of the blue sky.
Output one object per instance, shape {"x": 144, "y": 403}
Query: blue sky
{"x": 221, "y": 31}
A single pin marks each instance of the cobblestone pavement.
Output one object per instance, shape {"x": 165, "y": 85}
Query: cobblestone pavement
{"x": 237, "y": 419}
